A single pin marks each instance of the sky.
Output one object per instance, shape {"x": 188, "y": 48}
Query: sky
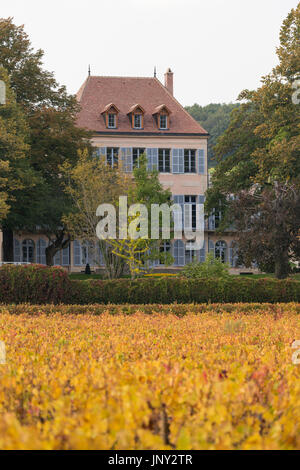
{"x": 216, "y": 48}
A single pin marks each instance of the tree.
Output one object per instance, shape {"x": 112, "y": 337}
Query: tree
{"x": 53, "y": 137}
{"x": 136, "y": 250}
{"x": 16, "y": 173}
{"x": 267, "y": 219}
{"x": 261, "y": 144}
{"x": 89, "y": 183}
{"x": 214, "y": 118}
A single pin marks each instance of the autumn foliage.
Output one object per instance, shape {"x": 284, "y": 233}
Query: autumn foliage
{"x": 163, "y": 377}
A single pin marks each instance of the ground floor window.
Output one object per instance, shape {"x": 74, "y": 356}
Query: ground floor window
{"x": 28, "y": 251}
{"x": 221, "y": 251}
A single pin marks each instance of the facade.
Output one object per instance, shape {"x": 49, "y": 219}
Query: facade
{"x": 130, "y": 116}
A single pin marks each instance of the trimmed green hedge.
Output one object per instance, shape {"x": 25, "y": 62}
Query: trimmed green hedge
{"x": 38, "y": 284}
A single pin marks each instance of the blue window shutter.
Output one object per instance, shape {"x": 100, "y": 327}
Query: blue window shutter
{"x": 177, "y": 160}
{"x": 179, "y": 199}
{"x": 201, "y": 161}
{"x": 211, "y": 247}
{"x": 178, "y": 253}
{"x": 40, "y": 251}
{"x": 126, "y": 157}
{"x": 201, "y": 199}
{"x": 17, "y": 251}
{"x": 211, "y": 222}
{"x": 152, "y": 158}
{"x": 103, "y": 153}
{"x": 77, "y": 253}
{"x": 202, "y": 253}
{"x": 66, "y": 256}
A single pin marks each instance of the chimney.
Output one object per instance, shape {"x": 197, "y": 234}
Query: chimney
{"x": 169, "y": 80}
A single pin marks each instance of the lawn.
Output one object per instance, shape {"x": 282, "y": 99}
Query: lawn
{"x": 126, "y": 379}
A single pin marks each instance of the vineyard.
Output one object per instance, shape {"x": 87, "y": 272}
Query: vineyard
{"x": 150, "y": 377}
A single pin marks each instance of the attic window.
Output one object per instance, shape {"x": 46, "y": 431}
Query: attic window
{"x": 163, "y": 121}
{"x": 136, "y": 115}
{"x": 110, "y": 114}
{"x": 162, "y": 116}
{"x": 137, "y": 121}
{"x": 111, "y": 122}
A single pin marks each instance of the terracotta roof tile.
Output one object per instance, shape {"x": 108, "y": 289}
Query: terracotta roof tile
{"x": 124, "y": 92}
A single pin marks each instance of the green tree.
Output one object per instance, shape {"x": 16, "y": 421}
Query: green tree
{"x": 261, "y": 144}
{"x": 53, "y": 137}
{"x": 214, "y": 118}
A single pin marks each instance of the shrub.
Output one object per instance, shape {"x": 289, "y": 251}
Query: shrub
{"x": 39, "y": 284}
{"x": 33, "y": 283}
{"x": 211, "y": 268}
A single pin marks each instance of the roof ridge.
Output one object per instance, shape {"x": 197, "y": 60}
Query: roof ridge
{"x": 119, "y": 76}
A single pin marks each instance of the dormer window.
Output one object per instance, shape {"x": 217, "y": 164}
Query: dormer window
{"x": 110, "y": 115}
{"x": 162, "y": 117}
{"x": 112, "y": 120}
{"x": 163, "y": 121}
{"x": 136, "y": 115}
{"x": 137, "y": 120}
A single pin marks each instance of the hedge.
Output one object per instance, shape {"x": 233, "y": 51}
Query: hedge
{"x": 38, "y": 284}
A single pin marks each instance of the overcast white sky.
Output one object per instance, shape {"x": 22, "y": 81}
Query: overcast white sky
{"x": 216, "y": 48}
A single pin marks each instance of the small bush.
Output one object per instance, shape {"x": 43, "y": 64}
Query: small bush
{"x": 211, "y": 268}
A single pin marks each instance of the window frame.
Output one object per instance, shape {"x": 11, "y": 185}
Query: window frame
{"x": 189, "y": 160}
{"x": 136, "y": 159}
{"x": 112, "y": 153}
{"x": 164, "y": 158}
{"x": 114, "y": 115}
{"x": 163, "y": 115}
{"x": 141, "y": 117}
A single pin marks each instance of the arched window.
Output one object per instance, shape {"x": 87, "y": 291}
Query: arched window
{"x": 221, "y": 251}
{"x": 28, "y": 251}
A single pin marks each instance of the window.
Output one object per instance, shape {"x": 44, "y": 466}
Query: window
{"x": 137, "y": 121}
{"x": 28, "y": 251}
{"x": 111, "y": 120}
{"x": 164, "y": 248}
{"x": 190, "y": 255}
{"x": 164, "y": 160}
{"x": 136, "y": 153}
{"x": 112, "y": 156}
{"x": 190, "y": 212}
{"x": 189, "y": 161}
{"x": 221, "y": 251}
{"x": 163, "y": 121}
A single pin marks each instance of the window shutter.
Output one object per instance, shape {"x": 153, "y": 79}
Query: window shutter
{"x": 202, "y": 253}
{"x": 17, "y": 251}
{"x": 102, "y": 153}
{"x": 201, "y": 161}
{"x": 126, "y": 157}
{"x": 152, "y": 157}
{"x": 211, "y": 222}
{"x": 211, "y": 247}
{"x": 66, "y": 256}
{"x": 179, "y": 221}
{"x": 77, "y": 253}
{"x": 41, "y": 253}
{"x": 178, "y": 253}
{"x": 178, "y": 161}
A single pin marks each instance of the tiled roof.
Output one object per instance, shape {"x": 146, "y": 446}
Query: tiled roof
{"x": 124, "y": 92}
